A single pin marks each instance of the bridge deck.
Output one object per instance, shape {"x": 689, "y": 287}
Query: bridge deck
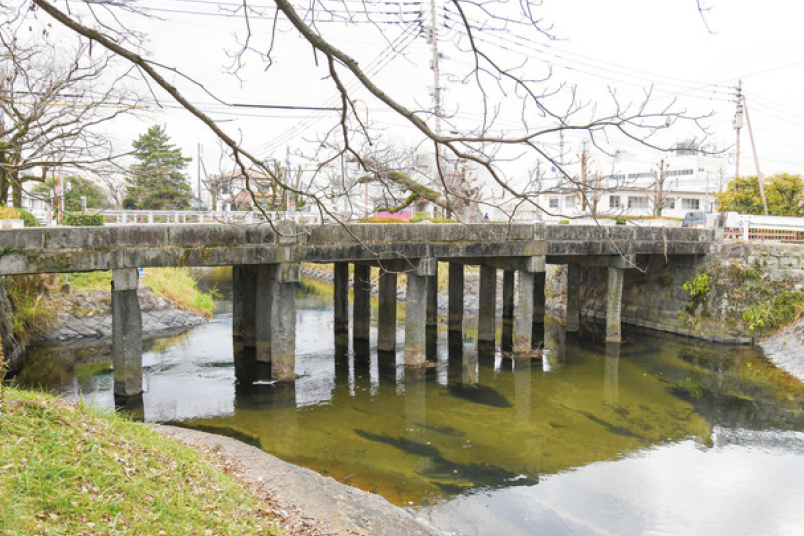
{"x": 79, "y": 249}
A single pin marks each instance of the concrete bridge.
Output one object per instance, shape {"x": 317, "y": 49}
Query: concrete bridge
{"x": 266, "y": 267}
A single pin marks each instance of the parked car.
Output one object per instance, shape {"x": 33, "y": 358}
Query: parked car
{"x": 42, "y": 215}
{"x": 695, "y": 218}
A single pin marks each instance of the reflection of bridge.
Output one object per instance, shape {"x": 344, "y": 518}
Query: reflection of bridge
{"x": 267, "y": 261}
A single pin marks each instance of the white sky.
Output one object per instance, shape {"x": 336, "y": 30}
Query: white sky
{"x": 613, "y": 45}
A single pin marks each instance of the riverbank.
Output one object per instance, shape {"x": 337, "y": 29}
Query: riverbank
{"x": 337, "y": 508}
{"x": 48, "y": 310}
{"x": 71, "y": 470}
{"x": 68, "y": 469}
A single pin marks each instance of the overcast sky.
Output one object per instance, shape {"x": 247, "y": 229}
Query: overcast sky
{"x": 622, "y": 46}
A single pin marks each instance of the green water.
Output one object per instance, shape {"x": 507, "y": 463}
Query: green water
{"x": 570, "y": 443}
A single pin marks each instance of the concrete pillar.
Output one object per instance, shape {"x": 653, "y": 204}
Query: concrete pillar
{"x": 283, "y": 320}
{"x": 456, "y": 286}
{"x": 126, "y": 333}
{"x": 523, "y": 314}
{"x": 432, "y": 298}
{"x": 507, "y": 311}
{"x": 415, "y": 319}
{"x": 539, "y": 280}
{"x": 262, "y": 311}
{"x": 487, "y": 315}
{"x": 244, "y": 280}
{"x": 361, "y": 308}
{"x": 386, "y": 320}
{"x": 341, "y": 296}
{"x": 614, "y": 302}
{"x": 416, "y": 311}
{"x": 573, "y": 297}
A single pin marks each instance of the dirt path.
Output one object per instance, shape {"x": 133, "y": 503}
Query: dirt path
{"x": 312, "y": 504}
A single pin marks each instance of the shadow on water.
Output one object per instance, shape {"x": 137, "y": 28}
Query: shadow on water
{"x": 405, "y": 445}
{"x": 480, "y": 394}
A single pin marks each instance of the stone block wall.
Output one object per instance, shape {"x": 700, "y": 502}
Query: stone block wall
{"x": 653, "y": 293}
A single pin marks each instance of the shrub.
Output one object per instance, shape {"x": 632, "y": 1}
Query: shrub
{"x": 84, "y": 219}
{"x": 13, "y": 213}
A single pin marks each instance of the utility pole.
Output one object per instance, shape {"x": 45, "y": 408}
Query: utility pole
{"x": 760, "y": 179}
{"x": 738, "y": 124}
{"x": 432, "y": 39}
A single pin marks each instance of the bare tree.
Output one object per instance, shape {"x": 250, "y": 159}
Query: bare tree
{"x": 53, "y": 101}
{"x": 501, "y": 88}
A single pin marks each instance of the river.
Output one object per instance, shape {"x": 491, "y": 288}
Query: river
{"x": 660, "y": 435}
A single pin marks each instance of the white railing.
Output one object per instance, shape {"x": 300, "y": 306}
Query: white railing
{"x": 766, "y": 228}
{"x": 132, "y": 217}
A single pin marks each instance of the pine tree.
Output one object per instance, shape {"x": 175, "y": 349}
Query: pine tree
{"x": 157, "y": 181}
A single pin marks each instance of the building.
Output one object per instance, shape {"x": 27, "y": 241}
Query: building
{"x": 666, "y": 184}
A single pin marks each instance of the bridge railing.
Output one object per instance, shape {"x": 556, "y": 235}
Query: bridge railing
{"x": 129, "y": 217}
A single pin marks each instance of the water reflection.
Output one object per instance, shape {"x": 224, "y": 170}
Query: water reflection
{"x": 619, "y": 438}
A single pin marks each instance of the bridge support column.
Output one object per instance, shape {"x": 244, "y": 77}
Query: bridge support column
{"x": 262, "y": 312}
{"x": 126, "y": 333}
{"x": 432, "y": 298}
{"x": 487, "y": 314}
{"x": 244, "y": 280}
{"x": 456, "y": 287}
{"x": 573, "y": 297}
{"x": 615, "y": 298}
{"x": 539, "y": 280}
{"x": 416, "y": 312}
{"x": 361, "y": 308}
{"x": 283, "y": 282}
{"x": 341, "y": 296}
{"x": 244, "y": 325}
{"x": 507, "y": 310}
{"x": 386, "y": 320}
{"x": 523, "y": 314}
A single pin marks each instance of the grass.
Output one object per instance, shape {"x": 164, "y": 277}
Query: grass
{"x": 176, "y": 284}
{"x": 67, "y": 470}
{"x": 31, "y": 310}
{"x": 179, "y": 286}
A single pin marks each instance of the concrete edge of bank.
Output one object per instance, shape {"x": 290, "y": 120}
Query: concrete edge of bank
{"x": 342, "y": 509}
{"x": 786, "y": 349}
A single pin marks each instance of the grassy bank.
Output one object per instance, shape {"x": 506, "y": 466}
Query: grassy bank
{"x": 68, "y": 470}
{"x": 36, "y": 299}
{"x": 176, "y": 284}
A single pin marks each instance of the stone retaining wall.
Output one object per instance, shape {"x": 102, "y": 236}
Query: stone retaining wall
{"x": 653, "y": 294}
{"x": 87, "y": 315}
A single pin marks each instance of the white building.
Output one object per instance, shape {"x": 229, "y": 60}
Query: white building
{"x": 666, "y": 184}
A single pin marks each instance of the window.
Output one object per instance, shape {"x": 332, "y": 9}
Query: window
{"x": 637, "y": 202}
{"x": 614, "y": 201}
{"x": 554, "y": 201}
{"x": 691, "y": 204}
{"x": 670, "y": 203}
{"x": 569, "y": 201}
